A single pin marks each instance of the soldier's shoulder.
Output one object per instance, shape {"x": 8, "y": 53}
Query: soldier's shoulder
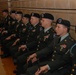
{"x": 71, "y": 39}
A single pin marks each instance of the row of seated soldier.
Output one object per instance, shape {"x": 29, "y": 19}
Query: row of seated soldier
{"x": 35, "y": 45}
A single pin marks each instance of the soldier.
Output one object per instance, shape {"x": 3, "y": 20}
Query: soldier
{"x": 12, "y": 22}
{"x": 15, "y": 35}
{"x": 9, "y": 30}
{"x": 11, "y": 27}
{"x": 22, "y": 39}
{"x": 5, "y": 24}
{"x": 73, "y": 54}
{"x": 60, "y": 60}
{"x": 24, "y": 32}
{"x": 6, "y": 19}
{"x": 45, "y": 37}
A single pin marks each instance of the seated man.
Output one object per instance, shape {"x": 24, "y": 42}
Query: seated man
{"x": 8, "y": 29}
{"x": 59, "y": 62}
{"x": 22, "y": 39}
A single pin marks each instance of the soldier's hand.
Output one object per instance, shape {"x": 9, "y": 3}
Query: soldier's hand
{"x": 8, "y": 38}
{"x": 34, "y": 60}
{"x": 31, "y": 57}
{"x": 13, "y": 35}
{"x": 4, "y": 32}
{"x": 23, "y": 47}
{"x": 43, "y": 69}
{"x": 37, "y": 72}
{"x": 15, "y": 42}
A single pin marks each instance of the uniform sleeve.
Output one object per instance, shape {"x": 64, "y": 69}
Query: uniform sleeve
{"x": 31, "y": 45}
{"x": 45, "y": 51}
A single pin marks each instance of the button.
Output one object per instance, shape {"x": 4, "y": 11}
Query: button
{"x": 52, "y": 59}
{"x": 54, "y": 51}
{"x": 39, "y": 42}
{"x": 73, "y": 70}
{"x": 37, "y": 49}
{"x": 38, "y": 45}
{"x": 71, "y": 74}
{"x": 53, "y": 55}
{"x": 65, "y": 40}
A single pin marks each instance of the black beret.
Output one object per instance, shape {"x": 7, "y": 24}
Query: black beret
{"x": 73, "y": 50}
{"x": 26, "y": 15}
{"x": 19, "y": 12}
{"x": 5, "y": 10}
{"x": 13, "y": 11}
{"x": 48, "y": 16}
{"x": 63, "y": 22}
{"x": 35, "y": 15}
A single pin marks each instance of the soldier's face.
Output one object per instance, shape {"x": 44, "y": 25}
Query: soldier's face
{"x": 4, "y": 14}
{"x": 24, "y": 20}
{"x": 13, "y": 15}
{"x": 60, "y": 29}
{"x": 34, "y": 20}
{"x": 45, "y": 22}
{"x": 18, "y": 16}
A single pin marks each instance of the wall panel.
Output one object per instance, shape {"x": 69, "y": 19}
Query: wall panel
{"x": 3, "y": 5}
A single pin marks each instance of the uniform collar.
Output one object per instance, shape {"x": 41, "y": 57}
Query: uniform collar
{"x": 26, "y": 23}
{"x": 35, "y": 25}
{"x": 45, "y": 30}
{"x": 18, "y": 21}
{"x": 63, "y": 37}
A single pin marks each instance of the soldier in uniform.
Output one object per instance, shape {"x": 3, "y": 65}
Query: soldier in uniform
{"x": 59, "y": 61}
{"x": 6, "y": 19}
{"x": 15, "y": 35}
{"x": 22, "y": 39}
{"x": 45, "y": 37}
{"x": 5, "y": 24}
{"x": 73, "y": 55}
{"x": 12, "y": 22}
{"x": 25, "y": 20}
{"x": 7, "y": 31}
